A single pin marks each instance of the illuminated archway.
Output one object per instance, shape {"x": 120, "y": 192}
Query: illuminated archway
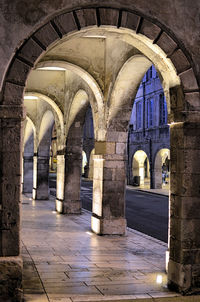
{"x": 161, "y": 168}
{"x": 140, "y": 169}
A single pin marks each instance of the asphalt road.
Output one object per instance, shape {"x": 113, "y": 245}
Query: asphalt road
{"x": 145, "y": 212}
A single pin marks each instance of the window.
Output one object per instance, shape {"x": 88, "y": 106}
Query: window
{"x": 149, "y": 74}
{"x": 139, "y": 115}
{"x": 162, "y": 110}
{"x": 150, "y": 104}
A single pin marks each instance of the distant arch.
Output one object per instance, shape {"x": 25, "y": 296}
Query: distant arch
{"x": 161, "y": 167}
{"x": 140, "y": 168}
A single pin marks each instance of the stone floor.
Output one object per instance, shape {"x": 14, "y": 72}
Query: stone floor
{"x": 64, "y": 261}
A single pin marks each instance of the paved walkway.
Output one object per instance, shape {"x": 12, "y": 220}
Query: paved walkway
{"x": 64, "y": 261}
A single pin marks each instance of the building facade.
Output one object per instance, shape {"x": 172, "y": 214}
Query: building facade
{"x": 148, "y": 138}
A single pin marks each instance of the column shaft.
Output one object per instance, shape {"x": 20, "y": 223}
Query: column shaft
{"x": 184, "y": 269}
{"x": 41, "y": 178}
{"x": 109, "y": 182}
{"x": 27, "y": 174}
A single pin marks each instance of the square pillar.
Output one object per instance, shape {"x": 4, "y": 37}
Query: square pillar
{"x": 73, "y": 167}
{"x": 10, "y": 202}
{"x": 109, "y": 184}
{"x": 41, "y": 177}
{"x": 60, "y": 182}
{"x": 184, "y": 236}
{"x": 27, "y": 174}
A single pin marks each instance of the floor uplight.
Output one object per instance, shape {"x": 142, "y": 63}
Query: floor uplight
{"x": 89, "y": 233}
{"x": 159, "y": 279}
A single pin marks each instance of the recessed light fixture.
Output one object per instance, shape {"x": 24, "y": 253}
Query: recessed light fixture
{"x": 95, "y": 36}
{"x": 52, "y": 68}
{"x": 30, "y": 97}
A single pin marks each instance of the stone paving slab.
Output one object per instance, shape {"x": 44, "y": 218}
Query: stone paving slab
{"x": 64, "y": 261}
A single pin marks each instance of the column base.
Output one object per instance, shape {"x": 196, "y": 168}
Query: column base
{"x": 37, "y": 195}
{"x": 11, "y": 279}
{"x": 113, "y": 226}
{"x": 72, "y": 207}
{"x": 179, "y": 277}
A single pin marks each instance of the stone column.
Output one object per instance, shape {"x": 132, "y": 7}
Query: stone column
{"x": 184, "y": 259}
{"x": 73, "y": 167}
{"x": 41, "y": 178}
{"x": 27, "y": 174}
{"x": 60, "y": 181}
{"x": 108, "y": 209}
{"x": 10, "y": 186}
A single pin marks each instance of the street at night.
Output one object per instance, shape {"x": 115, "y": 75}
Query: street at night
{"x": 145, "y": 212}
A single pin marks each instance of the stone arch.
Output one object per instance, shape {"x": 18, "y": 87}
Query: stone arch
{"x": 61, "y": 24}
{"x": 96, "y": 103}
{"x": 68, "y": 22}
{"x": 138, "y": 167}
{"x": 58, "y": 115}
{"x": 160, "y": 158}
{"x": 79, "y": 103}
{"x": 129, "y": 76}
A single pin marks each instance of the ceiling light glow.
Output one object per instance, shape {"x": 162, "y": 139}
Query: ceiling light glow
{"x": 52, "y": 68}
{"x": 30, "y": 97}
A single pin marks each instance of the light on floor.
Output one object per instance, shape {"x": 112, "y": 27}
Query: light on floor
{"x": 159, "y": 279}
{"x": 89, "y": 233}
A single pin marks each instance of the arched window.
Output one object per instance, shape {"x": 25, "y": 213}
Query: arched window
{"x": 149, "y": 74}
